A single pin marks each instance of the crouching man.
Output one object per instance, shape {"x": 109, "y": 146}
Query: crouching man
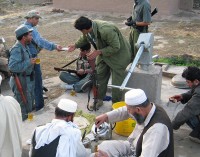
{"x": 61, "y": 137}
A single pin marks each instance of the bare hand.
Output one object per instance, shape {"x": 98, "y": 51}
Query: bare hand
{"x": 58, "y": 48}
{"x": 93, "y": 55}
{"x": 101, "y": 153}
{"x": 32, "y": 60}
{"x": 81, "y": 71}
{"x": 71, "y": 48}
{"x": 101, "y": 119}
{"x": 176, "y": 98}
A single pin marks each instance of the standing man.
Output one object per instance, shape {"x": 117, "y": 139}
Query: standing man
{"x": 10, "y": 122}
{"x": 190, "y": 114}
{"x": 21, "y": 65}
{"x": 35, "y": 46}
{"x": 61, "y": 137}
{"x": 112, "y": 53}
{"x": 152, "y": 136}
{"x": 138, "y": 22}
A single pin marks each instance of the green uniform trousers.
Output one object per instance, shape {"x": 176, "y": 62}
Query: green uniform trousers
{"x": 133, "y": 37}
{"x": 103, "y": 74}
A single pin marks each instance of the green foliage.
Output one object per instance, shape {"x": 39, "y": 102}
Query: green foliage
{"x": 184, "y": 60}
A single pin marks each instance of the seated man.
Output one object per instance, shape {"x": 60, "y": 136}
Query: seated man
{"x": 190, "y": 114}
{"x": 84, "y": 70}
{"x": 152, "y": 136}
{"x": 61, "y": 137}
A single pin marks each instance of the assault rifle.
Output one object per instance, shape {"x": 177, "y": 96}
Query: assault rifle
{"x": 68, "y": 70}
{"x": 92, "y": 85}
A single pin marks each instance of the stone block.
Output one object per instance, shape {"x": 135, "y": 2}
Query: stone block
{"x": 150, "y": 81}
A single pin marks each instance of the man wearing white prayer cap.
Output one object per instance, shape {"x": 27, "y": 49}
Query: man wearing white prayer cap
{"x": 10, "y": 124}
{"x": 61, "y": 137}
{"x": 152, "y": 136}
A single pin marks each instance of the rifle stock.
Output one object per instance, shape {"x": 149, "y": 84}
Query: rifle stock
{"x": 20, "y": 89}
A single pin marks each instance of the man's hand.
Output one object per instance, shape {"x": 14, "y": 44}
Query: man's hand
{"x": 58, "y": 47}
{"x": 176, "y": 98}
{"x": 71, "y": 48}
{"x": 93, "y": 55}
{"x": 101, "y": 153}
{"x": 32, "y": 60}
{"x": 101, "y": 119}
{"x": 81, "y": 71}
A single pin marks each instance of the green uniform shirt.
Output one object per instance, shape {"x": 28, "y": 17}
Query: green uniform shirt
{"x": 109, "y": 40}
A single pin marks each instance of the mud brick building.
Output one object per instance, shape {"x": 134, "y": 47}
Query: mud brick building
{"x": 166, "y": 7}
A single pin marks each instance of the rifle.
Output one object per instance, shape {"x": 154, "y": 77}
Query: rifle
{"x": 92, "y": 85}
{"x": 68, "y": 70}
{"x": 61, "y": 69}
{"x": 155, "y": 11}
{"x": 20, "y": 88}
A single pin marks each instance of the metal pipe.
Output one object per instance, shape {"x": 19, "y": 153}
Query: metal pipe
{"x": 130, "y": 71}
{"x": 114, "y": 86}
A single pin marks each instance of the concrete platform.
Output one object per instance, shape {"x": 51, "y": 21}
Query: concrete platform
{"x": 183, "y": 146}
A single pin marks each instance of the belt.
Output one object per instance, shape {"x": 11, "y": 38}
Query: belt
{"x": 22, "y": 74}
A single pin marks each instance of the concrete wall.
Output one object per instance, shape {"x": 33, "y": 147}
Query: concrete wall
{"x": 150, "y": 81}
{"x": 186, "y": 4}
{"x": 119, "y": 6}
{"x": 165, "y": 7}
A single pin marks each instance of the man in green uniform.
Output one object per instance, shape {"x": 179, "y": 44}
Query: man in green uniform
{"x": 111, "y": 49}
{"x": 139, "y": 21}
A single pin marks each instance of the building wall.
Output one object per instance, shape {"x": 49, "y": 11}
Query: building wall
{"x": 119, "y": 6}
{"x": 186, "y": 4}
{"x": 165, "y": 7}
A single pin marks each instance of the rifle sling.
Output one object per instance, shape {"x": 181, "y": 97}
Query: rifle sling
{"x": 70, "y": 63}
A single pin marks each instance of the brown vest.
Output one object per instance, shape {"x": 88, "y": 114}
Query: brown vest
{"x": 159, "y": 116}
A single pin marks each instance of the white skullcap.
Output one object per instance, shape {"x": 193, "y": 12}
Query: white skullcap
{"x": 135, "y": 97}
{"x": 67, "y": 105}
{"x": 0, "y": 79}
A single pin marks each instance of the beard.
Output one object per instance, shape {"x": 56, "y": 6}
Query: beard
{"x": 139, "y": 118}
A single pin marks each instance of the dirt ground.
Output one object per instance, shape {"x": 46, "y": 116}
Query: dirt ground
{"x": 174, "y": 35}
